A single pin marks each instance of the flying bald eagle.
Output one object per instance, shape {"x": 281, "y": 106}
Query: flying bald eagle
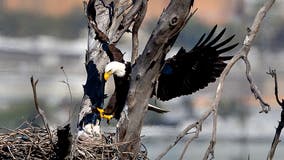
{"x": 183, "y": 74}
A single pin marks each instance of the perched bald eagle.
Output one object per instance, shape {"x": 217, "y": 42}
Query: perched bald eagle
{"x": 183, "y": 74}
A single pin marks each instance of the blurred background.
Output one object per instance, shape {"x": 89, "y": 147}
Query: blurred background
{"x": 38, "y": 37}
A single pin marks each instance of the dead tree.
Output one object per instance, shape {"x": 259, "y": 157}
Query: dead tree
{"x": 111, "y": 19}
{"x": 108, "y": 22}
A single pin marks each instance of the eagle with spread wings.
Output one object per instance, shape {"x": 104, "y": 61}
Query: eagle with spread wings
{"x": 183, "y": 74}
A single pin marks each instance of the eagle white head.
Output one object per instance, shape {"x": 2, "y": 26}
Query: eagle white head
{"x": 115, "y": 68}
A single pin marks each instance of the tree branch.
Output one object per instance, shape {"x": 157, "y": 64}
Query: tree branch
{"x": 273, "y": 74}
{"x": 241, "y": 54}
{"x": 147, "y": 67}
{"x": 197, "y": 125}
{"x": 280, "y": 126}
{"x": 244, "y": 51}
{"x": 252, "y": 31}
{"x": 254, "y": 89}
{"x": 126, "y": 20}
{"x": 38, "y": 109}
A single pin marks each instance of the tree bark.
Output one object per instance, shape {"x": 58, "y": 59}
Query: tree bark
{"x": 146, "y": 71}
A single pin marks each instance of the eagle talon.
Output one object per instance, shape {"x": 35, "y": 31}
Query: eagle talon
{"x": 101, "y": 111}
{"x": 103, "y": 115}
{"x": 108, "y": 117}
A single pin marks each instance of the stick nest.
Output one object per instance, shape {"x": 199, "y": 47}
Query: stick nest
{"x": 35, "y": 143}
{"x": 28, "y": 143}
{"x": 104, "y": 150}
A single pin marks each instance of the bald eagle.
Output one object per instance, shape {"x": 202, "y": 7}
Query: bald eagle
{"x": 183, "y": 74}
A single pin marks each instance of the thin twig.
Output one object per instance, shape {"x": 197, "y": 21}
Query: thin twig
{"x": 252, "y": 31}
{"x": 196, "y": 125}
{"x": 195, "y": 136}
{"x": 29, "y": 153}
{"x": 280, "y": 126}
{"x": 11, "y": 152}
{"x": 67, "y": 83}
{"x": 38, "y": 109}
{"x": 273, "y": 74}
{"x": 214, "y": 106}
{"x": 265, "y": 106}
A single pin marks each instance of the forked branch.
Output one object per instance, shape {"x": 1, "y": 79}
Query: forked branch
{"x": 197, "y": 125}
{"x": 38, "y": 109}
{"x": 244, "y": 51}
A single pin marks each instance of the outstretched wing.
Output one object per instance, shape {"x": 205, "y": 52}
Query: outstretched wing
{"x": 188, "y": 72}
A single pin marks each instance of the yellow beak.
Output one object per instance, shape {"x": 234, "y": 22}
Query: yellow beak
{"x": 107, "y": 75}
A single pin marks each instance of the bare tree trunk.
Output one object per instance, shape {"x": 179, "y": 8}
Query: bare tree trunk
{"x": 146, "y": 71}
